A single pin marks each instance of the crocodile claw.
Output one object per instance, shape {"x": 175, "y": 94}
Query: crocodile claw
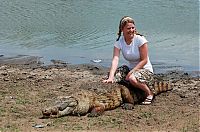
{"x": 128, "y": 106}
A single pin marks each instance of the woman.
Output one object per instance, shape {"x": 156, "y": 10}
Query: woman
{"x": 135, "y": 50}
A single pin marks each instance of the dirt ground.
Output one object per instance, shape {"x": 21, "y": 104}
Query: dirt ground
{"x": 26, "y": 89}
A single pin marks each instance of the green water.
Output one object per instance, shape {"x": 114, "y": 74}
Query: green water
{"x": 79, "y": 31}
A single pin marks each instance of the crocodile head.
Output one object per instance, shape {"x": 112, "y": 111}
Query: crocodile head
{"x": 64, "y": 106}
{"x": 50, "y": 111}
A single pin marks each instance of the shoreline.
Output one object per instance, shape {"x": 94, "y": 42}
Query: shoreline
{"x": 36, "y": 60}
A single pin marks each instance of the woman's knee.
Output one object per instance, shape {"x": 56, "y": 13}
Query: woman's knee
{"x": 133, "y": 80}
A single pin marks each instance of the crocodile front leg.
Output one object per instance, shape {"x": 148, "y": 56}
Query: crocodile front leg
{"x": 127, "y": 98}
{"x": 96, "y": 111}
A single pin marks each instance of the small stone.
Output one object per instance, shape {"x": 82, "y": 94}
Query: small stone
{"x": 38, "y": 126}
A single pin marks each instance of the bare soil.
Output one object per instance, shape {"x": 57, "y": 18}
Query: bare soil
{"x": 26, "y": 89}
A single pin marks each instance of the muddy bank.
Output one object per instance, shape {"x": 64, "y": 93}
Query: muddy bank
{"x": 27, "y": 88}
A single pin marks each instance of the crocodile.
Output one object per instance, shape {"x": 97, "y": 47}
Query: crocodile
{"x": 94, "y": 103}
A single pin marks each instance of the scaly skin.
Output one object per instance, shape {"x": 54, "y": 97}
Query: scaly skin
{"x": 88, "y": 101}
{"x": 85, "y": 101}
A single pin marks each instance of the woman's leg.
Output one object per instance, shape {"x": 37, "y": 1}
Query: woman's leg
{"x": 140, "y": 85}
{"x": 140, "y": 79}
{"x": 137, "y": 79}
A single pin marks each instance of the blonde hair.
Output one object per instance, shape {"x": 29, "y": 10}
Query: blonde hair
{"x": 124, "y": 20}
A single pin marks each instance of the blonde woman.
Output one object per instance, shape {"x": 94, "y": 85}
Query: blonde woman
{"x": 134, "y": 49}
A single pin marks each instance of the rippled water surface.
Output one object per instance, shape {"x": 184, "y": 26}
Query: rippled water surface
{"x": 79, "y": 31}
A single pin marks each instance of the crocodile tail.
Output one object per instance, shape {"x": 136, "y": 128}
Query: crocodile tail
{"x": 162, "y": 86}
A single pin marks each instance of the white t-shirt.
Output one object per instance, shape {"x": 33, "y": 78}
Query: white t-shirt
{"x": 131, "y": 52}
